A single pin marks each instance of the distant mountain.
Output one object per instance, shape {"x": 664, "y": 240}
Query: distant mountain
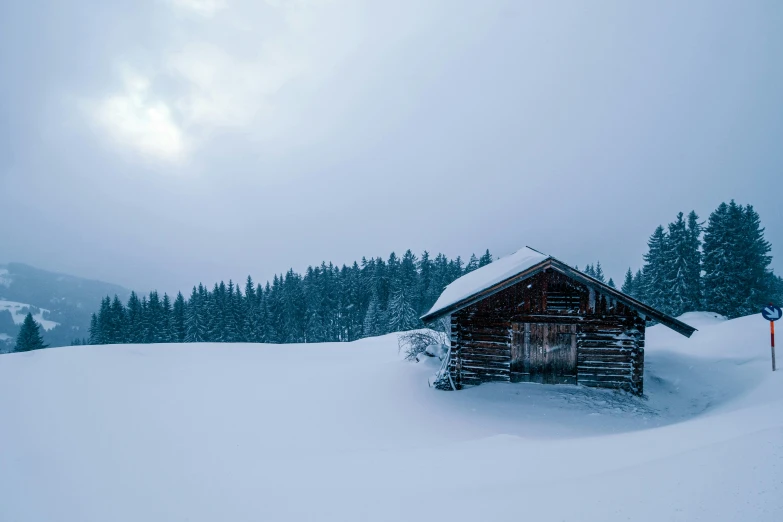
{"x": 61, "y": 303}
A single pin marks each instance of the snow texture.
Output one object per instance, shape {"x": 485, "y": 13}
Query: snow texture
{"x": 19, "y": 312}
{"x": 486, "y": 276}
{"x": 351, "y": 432}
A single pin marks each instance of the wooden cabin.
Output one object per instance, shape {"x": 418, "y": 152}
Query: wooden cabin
{"x": 531, "y": 318}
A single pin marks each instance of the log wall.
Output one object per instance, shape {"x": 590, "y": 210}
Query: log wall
{"x": 609, "y": 335}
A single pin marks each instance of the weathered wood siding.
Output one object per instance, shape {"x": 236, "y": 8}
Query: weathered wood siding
{"x": 609, "y": 336}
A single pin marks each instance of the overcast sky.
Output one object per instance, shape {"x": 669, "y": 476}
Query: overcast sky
{"x": 159, "y": 143}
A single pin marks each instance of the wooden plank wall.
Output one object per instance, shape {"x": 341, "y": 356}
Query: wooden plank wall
{"x": 483, "y": 351}
{"x": 610, "y": 336}
{"x": 610, "y": 352}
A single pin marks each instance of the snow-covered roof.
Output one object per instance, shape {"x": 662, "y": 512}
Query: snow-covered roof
{"x": 488, "y": 275}
{"x": 486, "y": 280}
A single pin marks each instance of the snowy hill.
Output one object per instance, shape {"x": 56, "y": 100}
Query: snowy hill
{"x": 350, "y": 432}
{"x": 62, "y": 304}
{"x": 18, "y": 312}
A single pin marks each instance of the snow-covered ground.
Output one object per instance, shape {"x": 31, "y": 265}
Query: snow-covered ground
{"x": 19, "y": 312}
{"x": 351, "y": 432}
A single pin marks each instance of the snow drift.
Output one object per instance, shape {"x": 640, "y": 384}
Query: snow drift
{"x": 352, "y": 432}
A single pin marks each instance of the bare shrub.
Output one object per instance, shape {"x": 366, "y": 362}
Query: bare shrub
{"x": 430, "y": 342}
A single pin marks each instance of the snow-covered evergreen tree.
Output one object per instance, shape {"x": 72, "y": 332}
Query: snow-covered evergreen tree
{"x": 627, "y": 286}
{"x": 599, "y": 272}
{"x": 655, "y": 271}
{"x": 166, "y": 328}
{"x": 639, "y": 286}
{"x": 154, "y": 319}
{"x": 677, "y": 257}
{"x": 250, "y": 312}
{"x": 146, "y": 326}
{"x": 178, "y": 319}
{"x": 134, "y": 332}
{"x": 737, "y": 280}
{"x": 195, "y": 326}
{"x": 95, "y": 331}
{"x": 374, "y": 318}
{"x": 760, "y": 282}
{"x": 694, "y": 282}
{"x": 29, "y": 337}
{"x": 473, "y": 264}
{"x": 401, "y": 314}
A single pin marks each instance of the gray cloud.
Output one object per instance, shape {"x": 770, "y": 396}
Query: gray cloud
{"x": 162, "y": 143}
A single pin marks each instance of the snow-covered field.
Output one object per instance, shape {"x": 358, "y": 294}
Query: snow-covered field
{"x": 20, "y": 310}
{"x": 350, "y": 432}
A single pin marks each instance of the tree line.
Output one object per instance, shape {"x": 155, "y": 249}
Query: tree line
{"x": 327, "y": 303}
{"x": 722, "y": 267}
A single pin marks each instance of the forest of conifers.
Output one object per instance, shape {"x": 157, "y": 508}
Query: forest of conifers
{"x": 721, "y": 266}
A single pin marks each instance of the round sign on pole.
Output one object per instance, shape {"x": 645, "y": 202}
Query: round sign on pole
{"x": 772, "y": 313}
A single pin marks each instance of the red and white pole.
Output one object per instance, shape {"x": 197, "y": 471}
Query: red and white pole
{"x": 772, "y": 342}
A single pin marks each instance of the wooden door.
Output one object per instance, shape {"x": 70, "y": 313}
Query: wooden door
{"x": 543, "y": 352}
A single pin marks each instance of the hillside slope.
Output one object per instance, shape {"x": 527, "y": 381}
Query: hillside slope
{"x": 61, "y": 303}
{"x": 350, "y": 432}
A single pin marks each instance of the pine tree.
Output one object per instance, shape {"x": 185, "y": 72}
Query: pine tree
{"x": 693, "y": 281}
{"x": 354, "y": 303}
{"x": 250, "y": 313}
{"x": 760, "y": 283}
{"x": 402, "y": 316}
{"x": 29, "y": 337}
{"x": 104, "y": 322}
{"x": 485, "y": 259}
{"x": 426, "y": 282}
{"x": 373, "y": 318}
{"x": 677, "y": 257}
{"x": 599, "y": 272}
{"x": 263, "y": 313}
{"x": 408, "y": 285}
{"x": 195, "y": 326}
{"x": 118, "y": 322}
{"x": 178, "y": 319}
{"x": 146, "y": 326}
{"x": 628, "y": 286}
{"x": 737, "y": 279}
{"x": 134, "y": 332}
{"x": 473, "y": 264}
{"x": 95, "y": 331}
{"x": 655, "y": 270}
{"x": 156, "y": 320}
{"x": 294, "y": 308}
{"x": 215, "y": 312}
{"x": 639, "y": 287}
{"x": 721, "y": 268}
{"x": 166, "y": 320}
{"x": 456, "y": 269}
{"x": 611, "y": 283}
{"x": 275, "y": 313}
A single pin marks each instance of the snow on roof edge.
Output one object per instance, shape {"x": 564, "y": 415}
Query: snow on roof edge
{"x": 488, "y": 275}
